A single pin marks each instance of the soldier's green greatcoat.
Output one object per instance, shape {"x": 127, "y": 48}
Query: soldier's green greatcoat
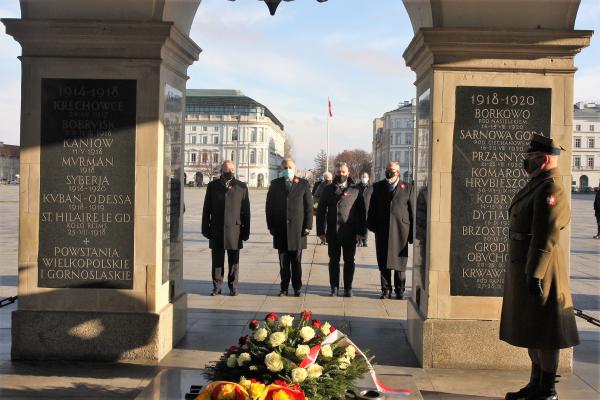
{"x": 537, "y": 215}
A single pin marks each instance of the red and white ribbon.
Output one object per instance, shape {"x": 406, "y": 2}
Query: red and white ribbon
{"x": 336, "y": 336}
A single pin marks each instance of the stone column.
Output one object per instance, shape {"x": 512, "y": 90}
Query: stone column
{"x": 489, "y": 74}
{"x": 100, "y": 220}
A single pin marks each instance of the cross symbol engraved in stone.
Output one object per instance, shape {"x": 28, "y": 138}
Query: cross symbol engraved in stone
{"x": 86, "y": 241}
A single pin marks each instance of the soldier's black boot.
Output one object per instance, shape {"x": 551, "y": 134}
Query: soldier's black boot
{"x": 530, "y": 388}
{"x": 547, "y": 389}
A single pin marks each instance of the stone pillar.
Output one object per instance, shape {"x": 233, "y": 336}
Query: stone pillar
{"x": 100, "y": 224}
{"x": 489, "y": 74}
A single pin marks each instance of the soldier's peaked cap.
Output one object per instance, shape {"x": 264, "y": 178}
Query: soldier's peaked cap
{"x": 544, "y": 144}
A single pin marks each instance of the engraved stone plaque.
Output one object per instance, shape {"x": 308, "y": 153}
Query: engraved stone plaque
{"x": 87, "y": 183}
{"x": 493, "y": 126}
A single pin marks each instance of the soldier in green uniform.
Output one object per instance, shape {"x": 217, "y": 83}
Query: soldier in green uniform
{"x": 537, "y": 311}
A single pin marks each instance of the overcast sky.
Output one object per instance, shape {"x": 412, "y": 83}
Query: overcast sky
{"x": 349, "y": 50}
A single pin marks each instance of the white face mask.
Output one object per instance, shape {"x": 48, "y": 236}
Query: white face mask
{"x": 364, "y": 180}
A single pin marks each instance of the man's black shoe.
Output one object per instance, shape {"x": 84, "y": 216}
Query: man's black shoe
{"x": 297, "y": 293}
{"x": 333, "y": 292}
{"x": 233, "y": 293}
{"x": 348, "y": 293}
{"x": 283, "y": 293}
{"x": 530, "y": 389}
{"x": 384, "y": 294}
{"x": 399, "y": 296}
{"x": 215, "y": 292}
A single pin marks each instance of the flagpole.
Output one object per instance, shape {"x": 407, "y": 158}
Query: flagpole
{"x": 328, "y": 114}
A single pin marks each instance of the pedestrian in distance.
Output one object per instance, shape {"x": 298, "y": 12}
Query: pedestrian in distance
{"x": 226, "y": 225}
{"x": 327, "y": 179}
{"x": 597, "y": 210}
{"x": 366, "y": 190}
{"x": 390, "y": 217}
{"x": 537, "y": 310}
{"x": 341, "y": 220}
{"x": 289, "y": 212}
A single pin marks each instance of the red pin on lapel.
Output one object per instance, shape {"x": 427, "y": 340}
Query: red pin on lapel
{"x": 551, "y": 200}
{"x": 402, "y": 186}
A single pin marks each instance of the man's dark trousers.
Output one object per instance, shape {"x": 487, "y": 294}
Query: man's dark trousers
{"x": 290, "y": 267}
{"x": 335, "y": 251}
{"x": 218, "y": 268}
{"x": 399, "y": 280}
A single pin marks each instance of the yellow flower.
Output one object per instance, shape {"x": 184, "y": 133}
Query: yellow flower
{"x": 274, "y": 362}
{"x": 260, "y": 334}
{"x": 351, "y": 352}
{"x": 243, "y": 359}
{"x": 246, "y": 384}
{"x": 299, "y": 375}
{"x": 281, "y": 395}
{"x": 326, "y": 351}
{"x": 344, "y": 362}
{"x": 307, "y": 333}
{"x": 325, "y": 328}
{"x": 256, "y": 389}
{"x": 227, "y": 392}
{"x": 286, "y": 320}
{"x": 302, "y": 351}
{"x": 314, "y": 371}
{"x": 232, "y": 361}
{"x": 276, "y": 339}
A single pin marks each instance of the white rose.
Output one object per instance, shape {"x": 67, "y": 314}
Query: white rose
{"x": 351, "y": 352}
{"x": 276, "y": 338}
{"x": 307, "y": 333}
{"x": 274, "y": 362}
{"x": 243, "y": 359}
{"x": 299, "y": 375}
{"x": 286, "y": 320}
{"x": 326, "y": 351}
{"x": 314, "y": 371}
{"x": 232, "y": 361}
{"x": 260, "y": 334}
{"x": 302, "y": 351}
{"x": 325, "y": 328}
{"x": 343, "y": 362}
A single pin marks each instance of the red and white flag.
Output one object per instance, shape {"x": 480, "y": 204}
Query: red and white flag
{"x": 329, "y": 107}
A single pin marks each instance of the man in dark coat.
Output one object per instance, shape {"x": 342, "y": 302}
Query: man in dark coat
{"x": 365, "y": 190}
{"x": 327, "y": 178}
{"x": 341, "y": 218}
{"x": 390, "y": 217}
{"x": 226, "y": 224}
{"x": 537, "y": 311}
{"x": 597, "y": 210}
{"x": 289, "y": 212}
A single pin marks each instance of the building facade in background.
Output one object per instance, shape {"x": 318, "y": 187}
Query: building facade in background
{"x": 586, "y": 146}
{"x": 227, "y": 125}
{"x": 9, "y": 162}
{"x": 393, "y": 140}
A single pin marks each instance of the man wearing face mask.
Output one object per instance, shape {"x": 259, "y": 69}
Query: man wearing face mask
{"x": 390, "y": 217}
{"x": 365, "y": 190}
{"x": 226, "y": 224}
{"x": 537, "y": 311}
{"x": 341, "y": 218}
{"x": 289, "y": 212}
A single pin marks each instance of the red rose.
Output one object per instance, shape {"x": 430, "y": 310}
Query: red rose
{"x": 281, "y": 383}
{"x": 331, "y": 329}
{"x": 306, "y": 315}
{"x": 316, "y": 324}
{"x": 254, "y": 324}
{"x": 271, "y": 317}
{"x": 232, "y": 349}
{"x": 243, "y": 340}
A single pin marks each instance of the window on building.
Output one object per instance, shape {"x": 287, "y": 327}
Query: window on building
{"x": 577, "y": 127}
{"x": 216, "y": 129}
{"x": 590, "y": 162}
{"x": 591, "y": 128}
{"x": 252, "y": 156}
{"x": 204, "y": 157}
{"x": 204, "y": 128}
{"x": 194, "y": 139}
{"x": 215, "y": 140}
{"x": 193, "y": 157}
{"x": 260, "y": 156}
{"x": 591, "y": 143}
{"x": 232, "y": 158}
{"x": 262, "y": 135}
{"x": 577, "y": 162}
{"x": 577, "y": 143}
{"x": 216, "y": 158}
{"x": 204, "y": 139}
{"x": 253, "y": 135}
{"x": 234, "y": 135}
{"x": 194, "y": 128}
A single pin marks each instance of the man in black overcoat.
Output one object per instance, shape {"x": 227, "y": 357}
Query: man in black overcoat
{"x": 365, "y": 190}
{"x": 341, "y": 218}
{"x": 226, "y": 224}
{"x": 289, "y": 212}
{"x": 597, "y": 211}
{"x": 390, "y": 217}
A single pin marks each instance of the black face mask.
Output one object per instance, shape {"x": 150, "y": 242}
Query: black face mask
{"x": 389, "y": 174}
{"x": 530, "y": 166}
{"x": 227, "y": 175}
{"x": 340, "y": 179}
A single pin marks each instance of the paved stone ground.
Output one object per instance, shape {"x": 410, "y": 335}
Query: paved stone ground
{"x": 216, "y": 322}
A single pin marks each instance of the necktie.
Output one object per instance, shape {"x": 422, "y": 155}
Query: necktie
{"x": 288, "y": 185}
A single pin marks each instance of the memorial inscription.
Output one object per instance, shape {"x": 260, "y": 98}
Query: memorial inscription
{"x": 493, "y": 126}
{"x": 87, "y": 183}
